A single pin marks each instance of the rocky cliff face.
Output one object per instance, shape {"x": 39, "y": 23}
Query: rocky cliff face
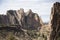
{"x": 16, "y": 17}
{"x": 27, "y": 20}
{"x": 32, "y": 20}
{"x": 55, "y": 21}
{"x": 11, "y": 14}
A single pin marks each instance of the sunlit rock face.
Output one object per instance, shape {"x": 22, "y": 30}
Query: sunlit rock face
{"x": 55, "y": 21}
{"x": 11, "y": 16}
{"x": 21, "y": 16}
{"x": 16, "y": 17}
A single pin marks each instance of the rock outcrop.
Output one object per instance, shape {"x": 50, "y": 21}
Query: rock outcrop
{"x": 16, "y": 17}
{"x": 55, "y": 22}
{"x": 32, "y": 20}
{"x": 11, "y": 14}
{"x": 27, "y": 20}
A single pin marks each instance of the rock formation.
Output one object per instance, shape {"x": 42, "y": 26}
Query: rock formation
{"x": 16, "y": 17}
{"x": 55, "y": 22}
{"x": 27, "y": 20}
{"x": 11, "y": 14}
{"x": 21, "y": 25}
{"x": 32, "y": 20}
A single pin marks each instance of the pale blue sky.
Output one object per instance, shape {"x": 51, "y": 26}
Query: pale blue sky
{"x": 42, "y": 7}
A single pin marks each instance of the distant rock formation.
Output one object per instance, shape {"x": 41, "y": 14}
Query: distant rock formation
{"x": 55, "y": 22}
{"x": 27, "y": 20}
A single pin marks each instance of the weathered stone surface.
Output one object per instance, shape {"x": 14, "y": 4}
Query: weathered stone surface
{"x": 21, "y": 16}
{"x": 11, "y": 16}
{"x": 55, "y": 21}
{"x": 16, "y": 17}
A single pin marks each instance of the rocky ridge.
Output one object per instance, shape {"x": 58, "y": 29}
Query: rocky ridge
{"x": 19, "y": 17}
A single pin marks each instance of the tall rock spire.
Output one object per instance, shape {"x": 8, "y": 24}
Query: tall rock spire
{"x": 55, "y": 21}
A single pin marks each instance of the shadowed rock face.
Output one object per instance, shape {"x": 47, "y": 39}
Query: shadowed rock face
{"x": 3, "y": 20}
{"x": 55, "y": 21}
{"x": 32, "y": 20}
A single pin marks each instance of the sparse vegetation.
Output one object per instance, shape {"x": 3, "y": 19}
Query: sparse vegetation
{"x": 30, "y": 34}
{"x": 10, "y": 37}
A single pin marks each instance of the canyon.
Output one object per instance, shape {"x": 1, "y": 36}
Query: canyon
{"x": 20, "y": 25}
